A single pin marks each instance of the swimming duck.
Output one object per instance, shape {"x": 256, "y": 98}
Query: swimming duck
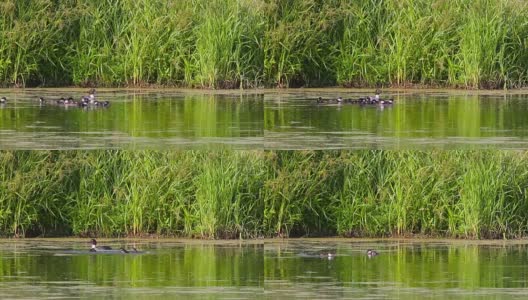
{"x": 377, "y": 94}
{"x": 123, "y": 250}
{"x": 61, "y": 100}
{"x": 95, "y": 248}
{"x": 378, "y": 100}
{"x": 3, "y": 100}
{"x": 91, "y": 96}
{"x": 371, "y": 253}
{"x": 91, "y": 99}
{"x": 327, "y": 254}
{"x": 42, "y": 100}
{"x": 70, "y": 102}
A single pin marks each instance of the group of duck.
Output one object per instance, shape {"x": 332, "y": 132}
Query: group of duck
{"x": 331, "y": 255}
{"x": 85, "y": 101}
{"x": 108, "y": 249}
{"x": 372, "y": 100}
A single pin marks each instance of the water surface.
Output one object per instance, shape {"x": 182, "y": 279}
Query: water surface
{"x": 134, "y": 120}
{"x": 165, "y": 270}
{"x": 416, "y": 120}
{"x": 273, "y": 269}
{"x": 402, "y": 270}
{"x": 266, "y": 119}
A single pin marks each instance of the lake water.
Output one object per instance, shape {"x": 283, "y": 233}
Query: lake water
{"x": 416, "y": 120}
{"x": 48, "y": 269}
{"x": 134, "y": 120}
{"x": 270, "y": 269}
{"x": 265, "y": 119}
{"x": 402, "y": 270}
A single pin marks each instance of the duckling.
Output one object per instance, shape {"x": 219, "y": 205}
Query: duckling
{"x": 3, "y": 100}
{"x": 320, "y": 100}
{"x": 70, "y": 102}
{"x": 123, "y": 250}
{"x": 371, "y": 253}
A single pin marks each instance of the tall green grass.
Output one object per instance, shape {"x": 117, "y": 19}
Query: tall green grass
{"x": 233, "y": 194}
{"x": 253, "y": 43}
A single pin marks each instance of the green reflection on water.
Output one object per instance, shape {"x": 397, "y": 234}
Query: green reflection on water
{"x": 199, "y": 270}
{"x": 401, "y": 270}
{"x": 157, "y": 117}
{"x": 412, "y": 116}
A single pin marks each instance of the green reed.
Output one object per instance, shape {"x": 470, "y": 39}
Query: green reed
{"x": 252, "y": 43}
{"x": 232, "y": 194}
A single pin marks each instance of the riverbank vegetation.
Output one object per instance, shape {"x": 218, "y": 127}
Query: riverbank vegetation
{"x": 254, "y": 43}
{"x": 249, "y": 194}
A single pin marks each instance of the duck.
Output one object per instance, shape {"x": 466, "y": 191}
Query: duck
{"x": 91, "y": 96}
{"x": 41, "y": 100}
{"x": 61, "y": 100}
{"x": 377, "y": 94}
{"x": 95, "y": 248}
{"x": 71, "y": 102}
{"x": 3, "y": 100}
{"x": 85, "y": 101}
{"x": 327, "y": 254}
{"x": 123, "y": 250}
{"x": 371, "y": 253}
{"x": 376, "y": 99}
{"x": 91, "y": 99}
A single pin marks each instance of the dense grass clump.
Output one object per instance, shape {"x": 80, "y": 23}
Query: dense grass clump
{"x": 231, "y": 194}
{"x": 198, "y": 194}
{"x": 253, "y": 43}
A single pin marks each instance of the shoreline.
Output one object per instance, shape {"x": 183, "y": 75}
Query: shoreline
{"x": 256, "y": 241}
{"x": 419, "y": 90}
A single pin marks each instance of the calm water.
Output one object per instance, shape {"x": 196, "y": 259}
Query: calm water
{"x": 289, "y": 119}
{"x": 135, "y": 120}
{"x": 165, "y": 270}
{"x": 274, "y": 269}
{"x": 403, "y": 270}
{"x": 417, "y": 120}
